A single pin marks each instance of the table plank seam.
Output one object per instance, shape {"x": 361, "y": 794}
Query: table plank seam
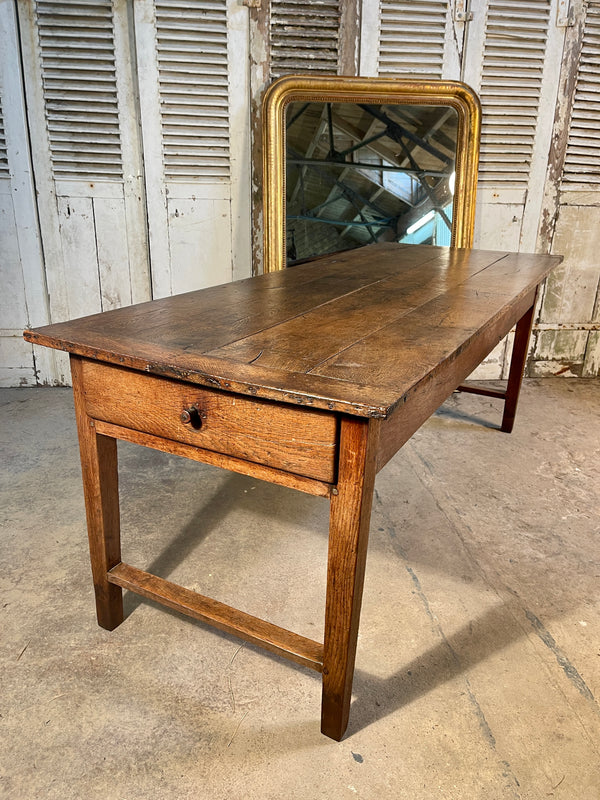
{"x": 405, "y": 313}
{"x": 449, "y": 356}
{"x": 335, "y": 299}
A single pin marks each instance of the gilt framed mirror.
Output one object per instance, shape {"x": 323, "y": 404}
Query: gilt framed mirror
{"x": 348, "y": 162}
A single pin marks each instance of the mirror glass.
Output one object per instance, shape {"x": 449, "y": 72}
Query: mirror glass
{"x": 360, "y": 173}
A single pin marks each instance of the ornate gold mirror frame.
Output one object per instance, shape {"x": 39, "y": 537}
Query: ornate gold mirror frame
{"x": 370, "y": 91}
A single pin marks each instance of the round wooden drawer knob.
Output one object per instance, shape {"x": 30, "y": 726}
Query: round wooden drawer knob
{"x": 191, "y": 416}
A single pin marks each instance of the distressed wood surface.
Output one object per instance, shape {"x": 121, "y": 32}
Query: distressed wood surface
{"x": 93, "y": 229}
{"x": 199, "y": 241}
{"x": 80, "y": 254}
{"x": 354, "y": 333}
{"x": 430, "y": 393}
{"x": 111, "y": 243}
{"x": 23, "y": 296}
{"x": 297, "y": 440}
{"x": 259, "y": 74}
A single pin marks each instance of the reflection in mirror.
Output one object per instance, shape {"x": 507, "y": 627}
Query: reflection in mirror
{"x": 360, "y": 173}
{"x": 349, "y": 161}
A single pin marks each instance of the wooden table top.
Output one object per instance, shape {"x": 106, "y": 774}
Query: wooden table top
{"x": 353, "y": 332}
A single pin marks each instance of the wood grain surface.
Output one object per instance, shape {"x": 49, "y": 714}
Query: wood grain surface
{"x": 355, "y": 332}
{"x": 298, "y": 440}
{"x": 195, "y": 453}
{"x": 350, "y": 513}
{"x": 101, "y": 494}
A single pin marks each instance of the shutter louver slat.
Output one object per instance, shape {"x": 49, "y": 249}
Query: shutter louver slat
{"x": 191, "y": 44}
{"x": 80, "y": 93}
{"x": 582, "y": 161}
{"x": 304, "y": 36}
{"x": 513, "y": 60}
{"x": 412, "y": 37}
{"x": 4, "y": 171}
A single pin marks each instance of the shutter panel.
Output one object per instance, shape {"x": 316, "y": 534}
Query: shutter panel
{"x": 79, "y": 83}
{"x": 4, "y": 172}
{"x": 23, "y": 293}
{"x": 304, "y": 36}
{"x": 412, "y": 37}
{"x": 193, "y": 88}
{"x": 582, "y": 163}
{"x": 191, "y": 43}
{"x": 85, "y": 154}
{"x": 513, "y": 60}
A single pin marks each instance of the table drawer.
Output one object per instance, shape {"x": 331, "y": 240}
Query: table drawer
{"x": 298, "y": 440}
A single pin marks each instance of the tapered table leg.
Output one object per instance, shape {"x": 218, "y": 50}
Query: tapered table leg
{"x": 517, "y": 368}
{"x": 101, "y": 491}
{"x": 348, "y": 538}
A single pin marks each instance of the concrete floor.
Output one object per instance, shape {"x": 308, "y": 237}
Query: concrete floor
{"x": 479, "y": 653}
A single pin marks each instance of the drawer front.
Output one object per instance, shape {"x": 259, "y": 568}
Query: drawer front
{"x": 298, "y": 440}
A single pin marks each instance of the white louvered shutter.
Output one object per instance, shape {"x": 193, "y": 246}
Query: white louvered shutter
{"x": 513, "y": 57}
{"x": 23, "y": 298}
{"x": 85, "y": 151}
{"x": 79, "y": 84}
{"x": 582, "y": 162}
{"x": 568, "y": 337}
{"x": 513, "y": 61}
{"x": 416, "y": 38}
{"x": 4, "y": 173}
{"x": 16, "y": 359}
{"x": 191, "y": 42}
{"x": 192, "y": 66}
{"x": 516, "y": 35}
{"x": 304, "y": 36}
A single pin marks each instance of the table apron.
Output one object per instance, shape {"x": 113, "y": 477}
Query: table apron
{"x": 250, "y": 468}
{"x": 295, "y": 440}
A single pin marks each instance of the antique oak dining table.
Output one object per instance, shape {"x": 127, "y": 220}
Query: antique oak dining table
{"x": 311, "y": 377}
